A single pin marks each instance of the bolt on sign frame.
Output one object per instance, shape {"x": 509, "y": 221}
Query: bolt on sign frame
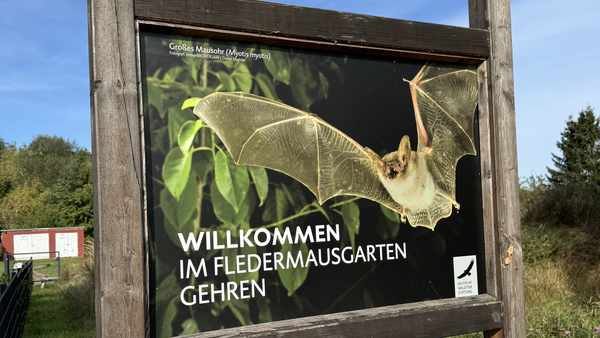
{"x": 123, "y": 295}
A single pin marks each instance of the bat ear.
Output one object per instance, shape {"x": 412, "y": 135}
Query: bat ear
{"x": 404, "y": 151}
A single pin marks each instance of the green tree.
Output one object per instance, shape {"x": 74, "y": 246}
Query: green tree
{"x": 580, "y": 147}
{"x": 72, "y": 192}
{"x": 44, "y": 158}
{"x": 47, "y": 183}
{"x": 9, "y": 167}
{"x": 26, "y": 207}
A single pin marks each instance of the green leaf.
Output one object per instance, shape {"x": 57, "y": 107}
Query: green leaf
{"x": 243, "y": 78}
{"x": 178, "y": 118}
{"x": 293, "y": 278}
{"x": 189, "y": 326}
{"x": 166, "y": 305}
{"x": 295, "y": 195}
{"x": 336, "y": 69}
{"x": 241, "y": 310}
{"x": 194, "y": 64}
{"x": 188, "y": 202}
{"x": 279, "y": 65}
{"x": 321, "y": 209}
{"x": 190, "y": 103}
{"x": 276, "y": 207}
{"x": 266, "y": 85}
{"x": 175, "y": 216}
{"x": 227, "y": 83}
{"x": 351, "y": 216}
{"x": 186, "y": 135}
{"x": 390, "y": 214}
{"x": 202, "y": 164}
{"x": 264, "y": 312}
{"x": 232, "y": 180}
{"x": 155, "y": 98}
{"x": 261, "y": 182}
{"x": 304, "y": 83}
{"x": 224, "y": 210}
{"x": 176, "y": 171}
{"x": 282, "y": 204}
{"x": 160, "y": 140}
{"x": 179, "y": 212}
{"x": 324, "y": 86}
{"x": 172, "y": 74}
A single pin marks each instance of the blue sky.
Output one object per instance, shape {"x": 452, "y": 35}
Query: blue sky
{"x": 44, "y": 68}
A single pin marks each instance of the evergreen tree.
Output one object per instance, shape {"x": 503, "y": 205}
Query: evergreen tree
{"x": 580, "y": 146}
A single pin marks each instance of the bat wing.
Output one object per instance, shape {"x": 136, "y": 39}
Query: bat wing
{"x": 444, "y": 98}
{"x": 262, "y": 132}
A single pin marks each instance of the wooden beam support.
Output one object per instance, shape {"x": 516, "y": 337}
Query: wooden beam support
{"x": 121, "y": 301}
{"x": 436, "y": 318}
{"x": 495, "y": 16}
{"x": 274, "y": 19}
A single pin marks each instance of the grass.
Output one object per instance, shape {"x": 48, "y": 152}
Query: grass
{"x": 52, "y": 269}
{"x": 65, "y": 309}
{"x": 562, "y": 281}
{"x": 49, "y": 316}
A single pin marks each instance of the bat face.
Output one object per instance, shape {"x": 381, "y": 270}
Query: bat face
{"x": 395, "y": 168}
{"x": 407, "y": 180}
{"x": 397, "y": 163}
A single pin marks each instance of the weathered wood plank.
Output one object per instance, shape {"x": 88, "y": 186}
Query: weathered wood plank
{"x": 119, "y": 250}
{"x": 487, "y": 167}
{"x": 317, "y": 24}
{"x": 439, "y": 318}
{"x": 506, "y": 183}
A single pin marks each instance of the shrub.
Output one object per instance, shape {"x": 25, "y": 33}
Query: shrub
{"x": 78, "y": 285}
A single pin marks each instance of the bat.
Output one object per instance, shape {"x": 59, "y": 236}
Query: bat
{"x": 467, "y": 272}
{"x": 419, "y": 185}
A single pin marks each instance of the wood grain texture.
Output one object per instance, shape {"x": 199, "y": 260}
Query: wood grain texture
{"x": 333, "y": 26}
{"x": 439, "y": 318}
{"x": 487, "y": 166}
{"x": 506, "y": 181}
{"x": 121, "y": 305}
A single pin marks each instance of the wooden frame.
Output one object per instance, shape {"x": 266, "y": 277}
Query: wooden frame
{"x": 121, "y": 239}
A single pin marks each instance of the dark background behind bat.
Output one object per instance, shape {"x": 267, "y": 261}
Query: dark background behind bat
{"x": 373, "y": 106}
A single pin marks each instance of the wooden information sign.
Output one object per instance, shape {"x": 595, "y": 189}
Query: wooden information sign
{"x": 272, "y": 170}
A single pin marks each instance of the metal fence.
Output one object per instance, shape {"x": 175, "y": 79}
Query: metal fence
{"x": 7, "y": 262}
{"x": 14, "y": 300}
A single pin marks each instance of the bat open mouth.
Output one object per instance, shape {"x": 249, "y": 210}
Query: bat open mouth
{"x": 391, "y": 172}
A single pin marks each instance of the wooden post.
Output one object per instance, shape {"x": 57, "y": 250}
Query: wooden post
{"x": 121, "y": 306}
{"x": 495, "y": 17}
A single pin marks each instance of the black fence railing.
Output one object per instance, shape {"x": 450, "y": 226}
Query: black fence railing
{"x": 7, "y": 260}
{"x": 14, "y": 301}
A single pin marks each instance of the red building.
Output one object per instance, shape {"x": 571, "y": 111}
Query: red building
{"x": 25, "y": 242}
